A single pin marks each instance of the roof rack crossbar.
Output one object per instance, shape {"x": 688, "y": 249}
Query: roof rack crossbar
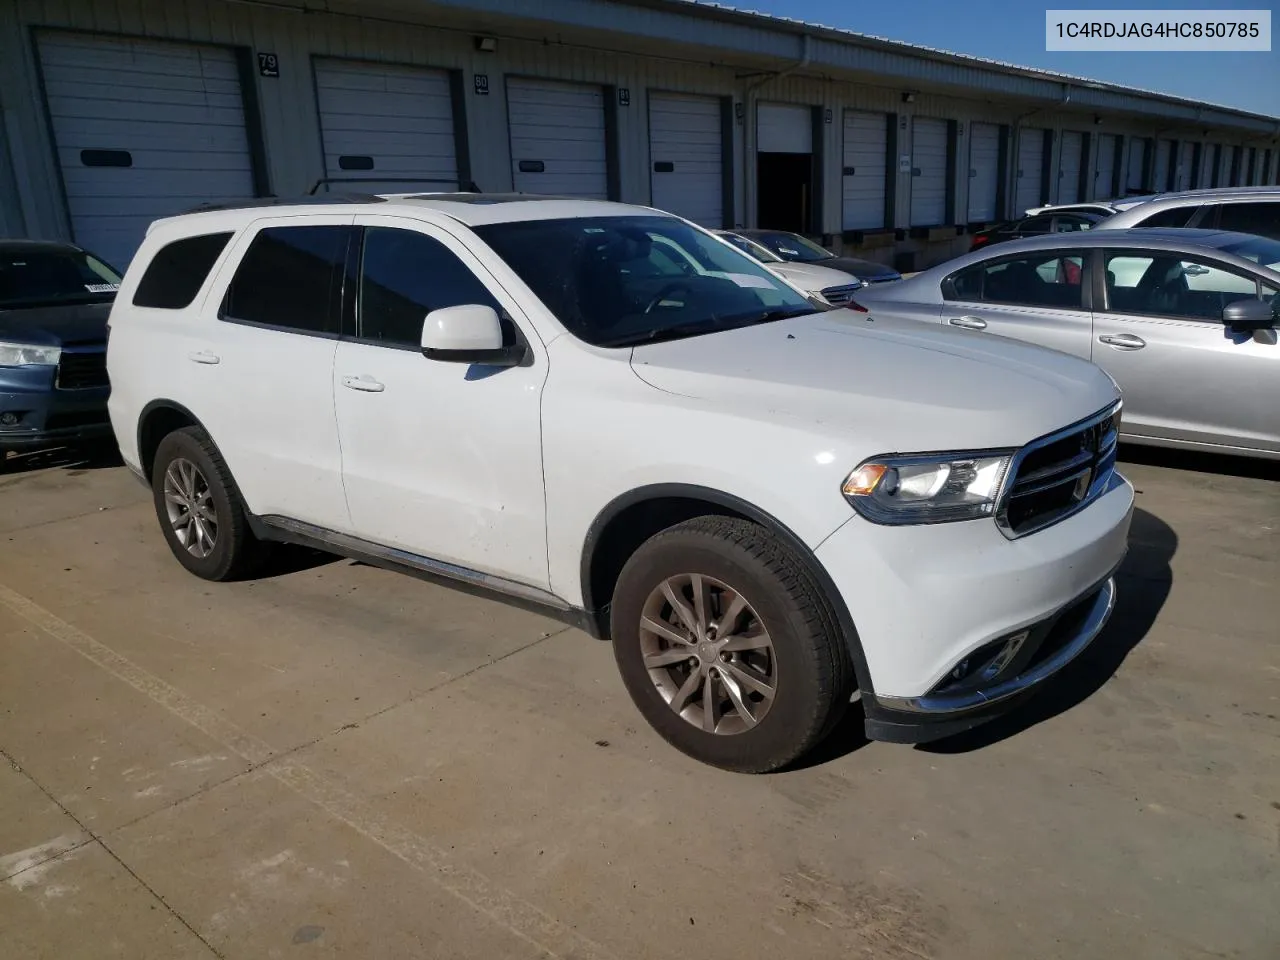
{"x": 465, "y": 186}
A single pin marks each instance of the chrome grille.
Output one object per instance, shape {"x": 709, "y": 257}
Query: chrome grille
{"x": 838, "y": 296}
{"x": 79, "y": 370}
{"x": 1058, "y": 475}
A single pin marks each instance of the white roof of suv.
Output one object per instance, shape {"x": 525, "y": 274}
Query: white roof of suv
{"x": 472, "y": 209}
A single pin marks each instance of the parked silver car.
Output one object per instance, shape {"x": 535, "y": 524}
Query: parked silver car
{"x": 1242, "y": 209}
{"x": 1184, "y": 320}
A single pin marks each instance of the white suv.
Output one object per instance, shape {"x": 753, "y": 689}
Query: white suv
{"x": 766, "y": 508}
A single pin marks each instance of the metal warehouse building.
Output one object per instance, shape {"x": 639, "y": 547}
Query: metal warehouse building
{"x": 116, "y": 112}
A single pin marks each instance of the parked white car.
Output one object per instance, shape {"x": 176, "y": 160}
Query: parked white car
{"x": 766, "y": 508}
{"x": 826, "y": 283}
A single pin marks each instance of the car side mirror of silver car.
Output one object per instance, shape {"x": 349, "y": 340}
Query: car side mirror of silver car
{"x": 468, "y": 333}
{"x": 1246, "y": 316}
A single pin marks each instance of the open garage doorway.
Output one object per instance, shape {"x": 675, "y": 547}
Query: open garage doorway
{"x": 785, "y": 178}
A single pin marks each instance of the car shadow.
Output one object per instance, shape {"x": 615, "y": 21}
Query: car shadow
{"x": 285, "y": 559}
{"x": 1143, "y": 583}
{"x": 88, "y": 456}
{"x": 1193, "y": 460}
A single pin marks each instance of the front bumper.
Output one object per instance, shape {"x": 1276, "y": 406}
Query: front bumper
{"x": 46, "y": 415}
{"x": 928, "y": 600}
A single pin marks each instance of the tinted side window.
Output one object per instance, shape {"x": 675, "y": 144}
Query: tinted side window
{"x": 405, "y": 275}
{"x": 290, "y": 277}
{"x": 1067, "y": 224}
{"x": 1039, "y": 280}
{"x": 178, "y": 271}
{"x": 1173, "y": 217}
{"x": 1168, "y": 286}
{"x": 1260, "y": 218}
{"x": 1036, "y": 225}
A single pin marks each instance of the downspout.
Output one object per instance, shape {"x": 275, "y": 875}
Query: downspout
{"x": 749, "y": 122}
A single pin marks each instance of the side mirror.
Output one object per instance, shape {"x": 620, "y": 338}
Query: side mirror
{"x": 470, "y": 333}
{"x": 1246, "y": 316}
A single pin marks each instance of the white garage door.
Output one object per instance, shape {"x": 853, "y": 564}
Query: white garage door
{"x": 928, "y": 172}
{"x": 557, "y": 138}
{"x": 144, "y": 129}
{"x": 1182, "y": 172}
{"x": 1160, "y": 175}
{"x": 1069, "y": 162}
{"x": 1104, "y": 173}
{"x": 387, "y": 121}
{"x": 984, "y": 171}
{"x": 866, "y": 141}
{"x": 784, "y": 128}
{"x": 686, "y": 168}
{"x": 1137, "y": 162}
{"x": 1208, "y": 162}
{"x": 1030, "y": 170}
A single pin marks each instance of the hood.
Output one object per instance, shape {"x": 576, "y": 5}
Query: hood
{"x": 56, "y": 326}
{"x": 906, "y": 388}
{"x": 810, "y": 277}
{"x": 867, "y": 271}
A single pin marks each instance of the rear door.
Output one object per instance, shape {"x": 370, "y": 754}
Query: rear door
{"x": 261, "y": 369}
{"x": 1038, "y": 297}
{"x": 1185, "y": 376}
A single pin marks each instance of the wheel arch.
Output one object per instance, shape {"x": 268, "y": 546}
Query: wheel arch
{"x": 631, "y": 518}
{"x": 158, "y": 419}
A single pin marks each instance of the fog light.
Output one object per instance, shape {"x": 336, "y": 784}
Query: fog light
{"x": 8, "y": 419}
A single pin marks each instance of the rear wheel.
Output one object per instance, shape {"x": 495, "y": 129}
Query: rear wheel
{"x": 200, "y": 510}
{"x": 726, "y": 646}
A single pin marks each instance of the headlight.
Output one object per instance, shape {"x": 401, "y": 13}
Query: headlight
{"x": 932, "y": 488}
{"x": 22, "y": 354}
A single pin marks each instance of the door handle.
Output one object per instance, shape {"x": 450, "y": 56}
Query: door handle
{"x": 969, "y": 323}
{"x": 1123, "y": 341}
{"x": 203, "y": 356}
{"x": 363, "y": 383}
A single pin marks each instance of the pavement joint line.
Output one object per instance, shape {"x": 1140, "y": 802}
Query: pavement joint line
{"x": 520, "y": 917}
{"x": 253, "y": 768}
{"x": 94, "y": 838}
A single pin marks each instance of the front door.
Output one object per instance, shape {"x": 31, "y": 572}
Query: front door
{"x": 1037, "y": 297}
{"x": 443, "y": 460}
{"x": 1184, "y": 375}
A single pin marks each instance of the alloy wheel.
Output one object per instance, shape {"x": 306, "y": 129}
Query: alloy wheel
{"x": 708, "y": 654}
{"x": 189, "y": 505}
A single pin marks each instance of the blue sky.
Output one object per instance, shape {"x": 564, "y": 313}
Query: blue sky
{"x": 1013, "y": 30}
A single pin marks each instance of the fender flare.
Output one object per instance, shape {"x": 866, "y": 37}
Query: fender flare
{"x": 750, "y": 511}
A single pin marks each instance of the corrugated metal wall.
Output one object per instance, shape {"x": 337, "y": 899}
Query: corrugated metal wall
{"x": 31, "y": 200}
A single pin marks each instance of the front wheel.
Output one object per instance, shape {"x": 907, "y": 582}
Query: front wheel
{"x": 726, "y": 646}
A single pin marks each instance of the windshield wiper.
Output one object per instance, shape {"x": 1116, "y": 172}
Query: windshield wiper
{"x": 713, "y": 325}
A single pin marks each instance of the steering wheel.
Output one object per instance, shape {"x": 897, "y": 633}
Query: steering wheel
{"x": 668, "y": 289}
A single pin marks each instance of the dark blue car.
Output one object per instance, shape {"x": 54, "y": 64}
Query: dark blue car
{"x": 54, "y": 302}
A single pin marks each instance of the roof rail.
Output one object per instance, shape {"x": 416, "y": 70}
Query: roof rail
{"x": 464, "y": 186}
{"x": 250, "y": 203}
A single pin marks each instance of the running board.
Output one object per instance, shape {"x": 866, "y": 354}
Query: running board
{"x": 330, "y": 541}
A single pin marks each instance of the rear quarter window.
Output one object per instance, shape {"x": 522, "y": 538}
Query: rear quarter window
{"x": 178, "y": 271}
{"x": 1173, "y": 217}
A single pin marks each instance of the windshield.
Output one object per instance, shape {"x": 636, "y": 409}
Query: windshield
{"x": 791, "y": 246}
{"x": 1259, "y": 250}
{"x": 40, "y": 276}
{"x": 619, "y": 281}
{"x": 751, "y": 248}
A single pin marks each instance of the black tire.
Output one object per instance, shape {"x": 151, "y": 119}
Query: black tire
{"x": 814, "y": 677}
{"x": 236, "y": 553}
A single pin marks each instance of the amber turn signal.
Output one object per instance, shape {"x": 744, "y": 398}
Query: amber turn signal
{"x": 862, "y": 482}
